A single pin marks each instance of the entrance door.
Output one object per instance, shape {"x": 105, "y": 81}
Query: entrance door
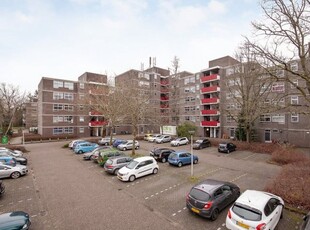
{"x": 267, "y": 135}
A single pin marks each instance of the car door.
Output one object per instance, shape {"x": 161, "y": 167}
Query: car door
{"x": 219, "y": 199}
{"x": 272, "y": 212}
{"x": 186, "y": 158}
{"x": 228, "y": 193}
{"x": 5, "y": 171}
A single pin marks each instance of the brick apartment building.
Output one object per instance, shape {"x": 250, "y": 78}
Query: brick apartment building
{"x": 200, "y": 98}
{"x": 62, "y": 109}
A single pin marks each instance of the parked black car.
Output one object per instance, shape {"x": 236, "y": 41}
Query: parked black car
{"x": 15, "y": 220}
{"x": 209, "y": 197}
{"x": 226, "y": 147}
{"x": 2, "y": 187}
{"x": 20, "y": 160}
{"x": 202, "y": 143}
{"x": 161, "y": 154}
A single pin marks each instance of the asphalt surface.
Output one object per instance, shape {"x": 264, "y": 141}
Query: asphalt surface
{"x": 62, "y": 191}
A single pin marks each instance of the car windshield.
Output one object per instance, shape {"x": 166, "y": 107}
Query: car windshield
{"x": 132, "y": 164}
{"x": 223, "y": 145}
{"x": 198, "y": 141}
{"x": 199, "y": 195}
{"x": 247, "y": 213}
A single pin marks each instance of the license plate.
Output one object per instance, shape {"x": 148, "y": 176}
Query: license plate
{"x": 243, "y": 225}
{"x": 195, "y": 210}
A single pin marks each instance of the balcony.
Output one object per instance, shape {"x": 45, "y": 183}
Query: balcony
{"x": 164, "y": 82}
{"x": 212, "y": 100}
{"x": 212, "y": 77}
{"x": 164, "y": 98}
{"x": 210, "y": 89}
{"x": 97, "y": 123}
{"x": 164, "y": 90}
{"x": 164, "y": 106}
{"x": 94, "y": 113}
{"x": 210, "y": 112}
{"x": 210, "y": 124}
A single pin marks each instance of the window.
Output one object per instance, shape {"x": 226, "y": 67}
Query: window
{"x": 81, "y": 85}
{"x": 81, "y": 119}
{"x": 68, "y": 96}
{"x": 186, "y": 90}
{"x": 57, "y": 107}
{"x": 58, "y": 84}
{"x": 278, "y": 118}
{"x": 68, "y": 119}
{"x": 57, "y": 131}
{"x": 265, "y": 118}
{"x": 186, "y": 81}
{"x": 229, "y": 71}
{"x": 294, "y": 66}
{"x": 294, "y": 100}
{"x": 229, "y": 95}
{"x": 68, "y": 85}
{"x": 229, "y": 118}
{"x": 294, "y": 84}
{"x": 68, "y": 107}
{"x": 294, "y": 117}
{"x": 68, "y": 130}
{"x": 81, "y": 129}
{"x": 280, "y": 73}
{"x": 82, "y": 96}
{"x": 278, "y": 87}
{"x": 230, "y": 106}
{"x": 197, "y": 87}
{"x": 57, "y": 96}
{"x": 81, "y": 107}
{"x": 57, "y": 119}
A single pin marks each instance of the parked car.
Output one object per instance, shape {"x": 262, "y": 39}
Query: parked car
{"x": 2, "y": 187}
{"x": 95, "y": 156}
{"x": 161, "y": 154}
{"x": 8, "y": 160}
{"x": 15, "y": 153}
{"x": 138, "y": 167}
{"x": 15, "y": 220}
{"x": 107, "y": 154}
{"x": 106, "y": 141}
{"x": 153, "y": 138}
{"x": 202, "y": 143}
{"x": 163, "y": 139}
{"x": 117, "y": 142}
{"x": 147, "y": 136}
{"x": 255, "y": 210}
{"x": 12, "y": 171}
{"x": 20, "y": 160}
{"x": 87, "y": 156}
{"x": 306, "y": 222}
{"x": 85, "y": 147}
{"x": 113, "y": 164}
{"x": 179, "y": 141}
{"x": 181, "y": 158}
{"x": 210, "y": 197}
{"x": 128, "y": 145}
{"x": 73, "y": 143}
{"x": 226, "y": 147}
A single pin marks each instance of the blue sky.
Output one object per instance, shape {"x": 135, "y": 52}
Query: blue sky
{"x": 65, "y": 38}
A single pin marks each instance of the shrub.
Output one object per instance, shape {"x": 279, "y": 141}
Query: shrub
{"x": 287, "y": 154}
{"x": 66, "y": 145}
{"x": 292, "y": 184}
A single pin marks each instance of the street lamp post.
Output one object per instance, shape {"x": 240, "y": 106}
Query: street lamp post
{"x": 191, "y": 132}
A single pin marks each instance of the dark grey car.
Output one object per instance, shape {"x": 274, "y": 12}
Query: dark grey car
{"x": 113, "y": 164}
{"x": 210, "y": 197}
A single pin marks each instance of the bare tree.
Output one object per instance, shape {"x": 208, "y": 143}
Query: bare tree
{"x": 249, "y": 90}
{"x": 174, "y": 90}
{"x": 11, "y": 101}
{"x": 282, "y": 37}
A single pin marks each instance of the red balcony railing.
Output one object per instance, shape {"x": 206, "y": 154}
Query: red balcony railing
{"x": 210, "y": 123}
{"x": 164, "y": 90}
{"x": 164, "y": 82}
{"x": 210, "y": 112}
{"x": 97, "y": 123}
{"x": 95, "y": 113}
{"x": 212, "y": 77}
{"x": 164, "y": 98}
{"x": 164, "y": 106}
{"x": 212, "y": 100}
{"x": 210, "y": 89}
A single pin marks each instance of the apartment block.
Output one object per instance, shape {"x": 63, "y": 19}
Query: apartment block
{"x": 30, "y": 117}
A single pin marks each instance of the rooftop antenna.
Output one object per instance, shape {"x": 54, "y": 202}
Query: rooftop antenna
{"x": 142, "y": 66}
{"x": 150, "y": 62}
{"x": 154, "y": 61}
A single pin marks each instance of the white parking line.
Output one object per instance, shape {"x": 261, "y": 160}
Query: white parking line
{"x": 238, "y": 177}
{"x": 248, "y": 156}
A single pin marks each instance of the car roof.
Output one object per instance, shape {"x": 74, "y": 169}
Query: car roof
{"x": 255, "y": 199}
{"x": 119, "y": 157}
{"x": 181, "y": 151}
{"x": 209, "y": 185}
{"x": 139, "y": 159}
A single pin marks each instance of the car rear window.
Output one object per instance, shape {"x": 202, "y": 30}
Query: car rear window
{"x": 199, "y": 194}
{"x": 109, "y": 162}
{"x": 247, "y": 213}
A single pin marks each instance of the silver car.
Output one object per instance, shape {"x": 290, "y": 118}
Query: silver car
{"x": 153, "y": 138}
{"x": 15, "y": 153}
{"x": 128, "y": 145}
{"x": 179, "y": 141}
{"x": 113, "y": 164}
{"x": 163, "y": 139}
{"x": 12, "y": 171}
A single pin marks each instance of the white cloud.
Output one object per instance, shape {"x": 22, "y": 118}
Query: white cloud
{"x": 217, "y": 7}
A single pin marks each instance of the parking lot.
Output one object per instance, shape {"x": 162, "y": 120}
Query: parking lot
{"x": 62, "y": 191}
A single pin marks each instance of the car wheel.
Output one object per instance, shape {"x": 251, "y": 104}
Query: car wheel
{"x": 228, "y": 151}
{"x": 124, "y": 149}
{"x": 80, "y": 152}
{"x": 155, "y": 170}
{"x": 281, "y": 214}
{"x": 214, "y": 214}
{"x": 195, "y": 161}
{"x": 163, "y": 160}
{"x": 15, "y": 175}
{"x": 180, "y": 164}
{"x": 178, "y": 144}
{"x": 106, "y": 144}
{"x": 115, "y": 171}
{"x": 132, "y": 178}
{"x": 137, "y": 147}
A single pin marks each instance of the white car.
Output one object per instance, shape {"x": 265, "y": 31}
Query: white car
{"x": 179, "y": 141}
{"x": 138, "y": 167}
{"x": 255, "y": 210}
{"x": 71, "y": 144}
{"x": 128, "y": 145}
{"x": 152, "y": 138}
{"x": 12, "y": 171}
{"x": 15, "y": 153}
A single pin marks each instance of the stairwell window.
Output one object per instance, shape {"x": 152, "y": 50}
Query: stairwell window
{"x": 294, "y": 117}
{"x": 294, "y": 100}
